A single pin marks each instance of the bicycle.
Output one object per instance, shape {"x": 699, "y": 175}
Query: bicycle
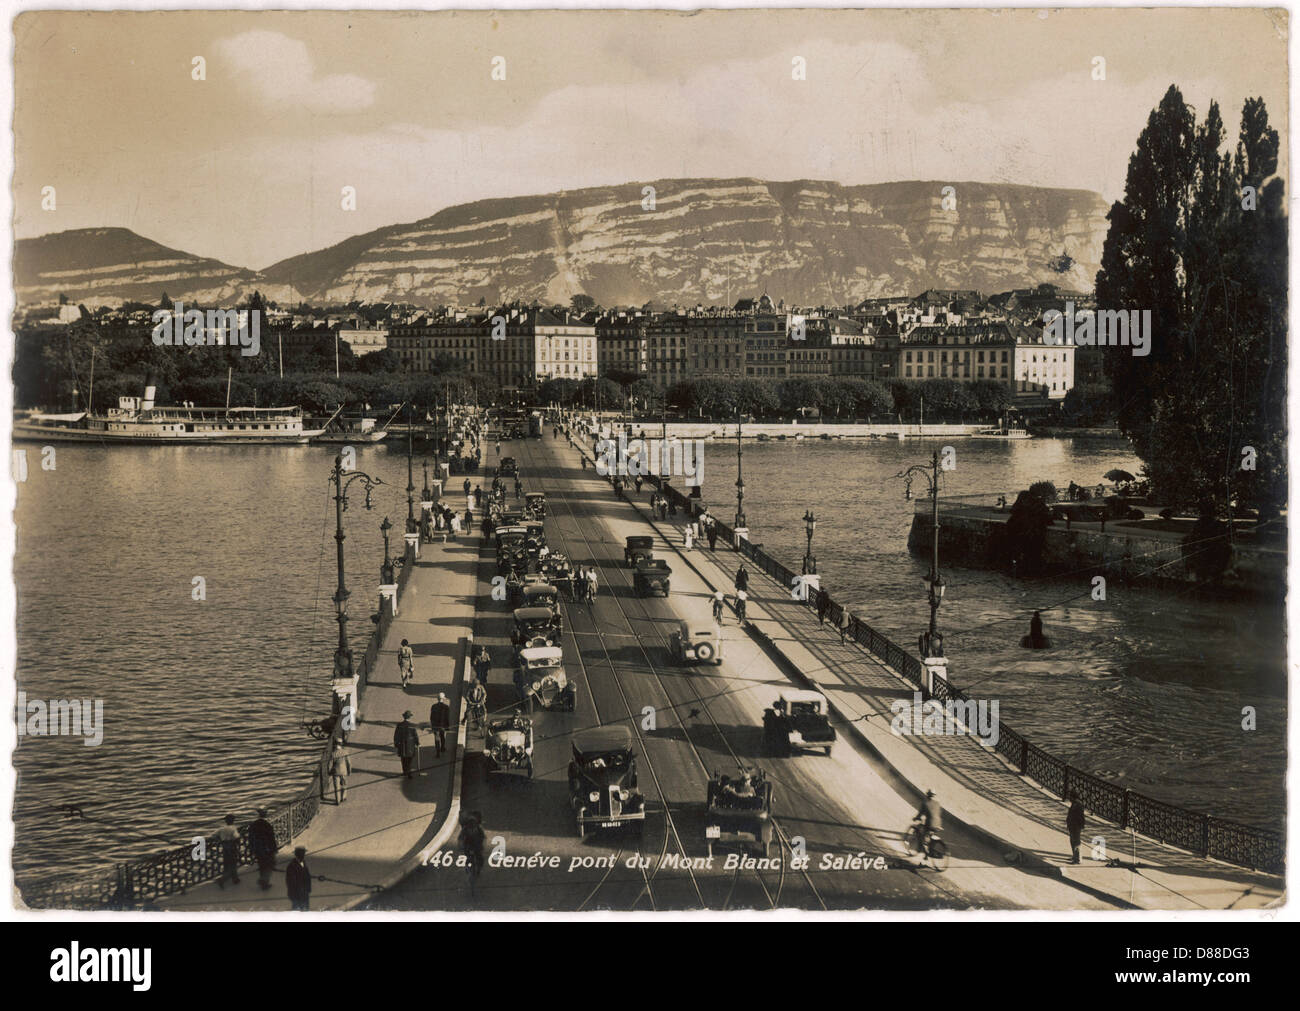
{"x": 932, "y": 846}
{"x": 476, "y": 717}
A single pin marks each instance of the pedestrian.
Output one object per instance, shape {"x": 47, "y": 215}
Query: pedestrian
{"x": 455, "y": 525}
{"x": 478, "y": 497}
{"x": 823, "y": 605}
{"x": 228, "y": 836}
{"x": 712, "y": 530}
{"x": 439, "y": 722}
{"x": 483, "y": 665}
{"x": 1074, "y": 825}
{"x": 741, "y": 597}
{"x": 297, "y": 879}
{"x": 468, "y": 525}
{"x": 261, "y": 840}
{"x": 406, "y": 662}
{"x": 638, "y": 481}
{"x": 742, "y": 578}
{"x": 340, "y": 770}
{"x": 406, "y": 741}
{"x": 591, "y": 585}
{"x": 467, "y": 487}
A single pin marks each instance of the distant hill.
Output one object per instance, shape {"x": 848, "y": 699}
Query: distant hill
{"x": 705, "y": 240}
{"x": 111, "y": 264}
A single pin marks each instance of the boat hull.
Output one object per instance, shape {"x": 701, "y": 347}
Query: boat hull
{"x": 43, "y": 433}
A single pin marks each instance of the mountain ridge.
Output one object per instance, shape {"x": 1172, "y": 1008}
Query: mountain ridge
{"x": 702, "y": 240}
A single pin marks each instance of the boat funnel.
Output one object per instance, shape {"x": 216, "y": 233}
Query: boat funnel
{"x": 149, "y": 393}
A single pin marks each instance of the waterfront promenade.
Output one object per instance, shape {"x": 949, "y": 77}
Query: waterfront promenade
{"x": 376, "y": 837}
{"x": 976, "y": 788}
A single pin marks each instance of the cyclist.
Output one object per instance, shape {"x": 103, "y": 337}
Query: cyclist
{"x": 930, "y": 818}
{"x": 718, "y": 599}
{"x": 472, "y": 839}
{"x": 476, "y": 712}
{"x": 741, "y": 598}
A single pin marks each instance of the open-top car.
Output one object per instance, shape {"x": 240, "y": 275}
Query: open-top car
{"x": 542, "y": 679}
{"x": 508, "y": 467}
{"x": 558, "y": 570}
{"x": 535, "y": 505}
{"x": 534, "y": 537}
{"x": 638, "y": 549}
{"x": 651, "y": 576}
{"x": 739, "y": 811}
{"x": 799, "y": 720}
{"x": 602, "y": 780}
{"x": 508, "y": 746}
{"x": 696, "y": 642}
{"x": 535, "y": 626}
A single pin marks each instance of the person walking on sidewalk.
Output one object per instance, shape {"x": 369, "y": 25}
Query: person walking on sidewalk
{"x": 741, "y": 598}
{"x": 340, "y": 770}
{"x": 406, "y": 663}
{"x": 440, "y": 723}
{"x": 711, "y": 529}
{"x": 261, "y": 840}
{"x": 406, "y": 742}
{"x": 228, "y": 836}
{"x": 823, "y": 605}
{"x": 467, "y": 487}
{"x": 482, "y": 665}
{"x": 297, "y": 879}
{"x": 742, "y": 577}
{"x": 1074, "y": 825}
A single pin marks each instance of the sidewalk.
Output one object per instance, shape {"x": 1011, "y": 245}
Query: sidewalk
{"x": 374, "y": 838}
{"x": 975, "y": 787}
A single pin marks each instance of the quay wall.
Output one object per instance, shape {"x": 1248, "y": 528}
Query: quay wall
{"x": 980, "y": 542}
{"x": 808, "y": 430}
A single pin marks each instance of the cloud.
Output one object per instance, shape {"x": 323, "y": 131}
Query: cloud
{"x": 279, "y": 72}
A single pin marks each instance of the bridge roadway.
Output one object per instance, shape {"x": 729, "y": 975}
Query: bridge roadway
{"x": 705, "y": 719}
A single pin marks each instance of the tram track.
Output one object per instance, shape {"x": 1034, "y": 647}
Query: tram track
{"x": 872, "y": 845}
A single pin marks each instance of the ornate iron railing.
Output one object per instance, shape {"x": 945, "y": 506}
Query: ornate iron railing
{"x": 1202, "y": 834}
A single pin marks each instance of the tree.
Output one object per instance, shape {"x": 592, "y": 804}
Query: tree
{"x": 581, "y": 303}
{"x": 1200, "y": 240}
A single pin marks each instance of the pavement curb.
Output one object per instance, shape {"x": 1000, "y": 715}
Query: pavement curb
{"x": 451, "y": 816}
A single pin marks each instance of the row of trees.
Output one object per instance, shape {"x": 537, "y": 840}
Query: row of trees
{"x": 1200, "y": 239}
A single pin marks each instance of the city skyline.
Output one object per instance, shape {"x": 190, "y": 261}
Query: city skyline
{"x": 247, "y": 165}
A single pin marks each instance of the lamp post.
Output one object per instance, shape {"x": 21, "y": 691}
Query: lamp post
{"x": 386, "y": 573}
{"x": 342, "y": 480}
{"x": 740, "y": 478}
{"x": 931, "y": 641}
{"x": 411, "y": 525}
{"x": 810, "y": 525}
{"x": 427, "y": 494}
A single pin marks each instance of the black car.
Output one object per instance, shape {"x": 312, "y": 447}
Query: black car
{"x": 508, "y": 467}
{"x": 602, "y": 781}
{"x": 535, "y": 626}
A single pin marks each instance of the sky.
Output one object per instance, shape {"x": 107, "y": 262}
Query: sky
{"x": 248, "y": 164}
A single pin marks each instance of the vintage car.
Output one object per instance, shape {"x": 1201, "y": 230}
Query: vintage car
{"x": 535, "y": 504}
{"x": 508, "y": 746}
{"x": 602, "y": 781}
{"x": 798, "y": 721}
{"x": 538, "y": 593}
{"x": 739, "y": 811}
{"x": 542, "y": 680}
{"x": 534, "y": 537}
{"x": 637, "y": 550}
{"x": 508, "y": 467}
{"x": 558, "y": 570}
{"x": 535, "y": 626}
{"x": 651, "y": 576}
{"x": 696, "y": 642}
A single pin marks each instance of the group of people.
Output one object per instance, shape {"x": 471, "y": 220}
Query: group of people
{"x": 263, "y": 847}
{"x": 585, "y": 583}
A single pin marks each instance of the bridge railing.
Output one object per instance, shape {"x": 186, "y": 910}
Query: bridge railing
{"x": 1199, "y": 833}
{"x": 170, "y": 872}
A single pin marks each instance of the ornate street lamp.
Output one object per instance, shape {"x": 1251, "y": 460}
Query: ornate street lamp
{"x": 342, "y": 480}
{"x": 411, "y": 525}
{"x": 386, "y": 573}
{"x": 427, "y": 494}
{"x": 931, "y": 641}
{"x": 810, "y": 525}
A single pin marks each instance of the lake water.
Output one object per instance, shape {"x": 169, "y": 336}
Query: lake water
{"x": 203, "y": 699}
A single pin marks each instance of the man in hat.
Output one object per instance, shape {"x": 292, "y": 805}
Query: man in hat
{"x": 406, "y": 742}
{"x": 439, "y": 722}
{"x": 261, "y": 840}
{"x": 482, "y": 664}
{"x": 297, "y": 879}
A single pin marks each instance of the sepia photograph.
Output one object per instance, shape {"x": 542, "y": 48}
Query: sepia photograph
{"x": 781, "y": 463}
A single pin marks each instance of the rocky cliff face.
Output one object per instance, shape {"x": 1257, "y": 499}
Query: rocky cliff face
{"x": 705, "y": 240}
